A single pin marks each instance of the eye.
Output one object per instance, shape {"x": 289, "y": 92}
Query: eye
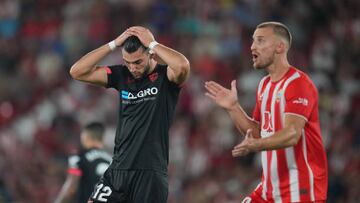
{"x": 138, "y": 62}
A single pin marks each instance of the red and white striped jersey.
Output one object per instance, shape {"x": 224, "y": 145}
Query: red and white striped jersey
{"x": 298, "y": 173}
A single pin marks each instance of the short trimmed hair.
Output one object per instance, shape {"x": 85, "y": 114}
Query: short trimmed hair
{"x": 95, "y": 130}
{"x": 279, "y": 29}
{"x": 132, "y": 44}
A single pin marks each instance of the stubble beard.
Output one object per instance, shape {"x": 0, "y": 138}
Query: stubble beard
{"x": 266, "y": 64}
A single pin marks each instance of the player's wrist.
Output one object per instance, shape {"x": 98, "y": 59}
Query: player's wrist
{"x": 232, "y": 107}
{"x": 112, "y": 45}
{"x": 153, "y": 44}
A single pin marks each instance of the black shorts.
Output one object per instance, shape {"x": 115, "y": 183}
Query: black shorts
{"x": 131, "y": 186}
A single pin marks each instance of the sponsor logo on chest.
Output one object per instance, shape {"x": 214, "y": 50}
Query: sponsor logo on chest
{"x": 140, "y": 96}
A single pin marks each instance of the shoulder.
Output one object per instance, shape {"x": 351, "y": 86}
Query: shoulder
{"x": 115, "y": 68}
{"x": 263, "y": 83}
{"x": 161, "y": 68}
{"x": 300, "y": 78}
{"x": 298, "y": 81}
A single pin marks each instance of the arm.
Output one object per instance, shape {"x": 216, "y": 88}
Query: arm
{"x": 69, "y": 189}
{"x": 242, "y": 121}
{"x": 178, "y": 65}
{"x": 227, "y": 99}
{"x": 86, "y": 70}
{"x": 288, "y": 136}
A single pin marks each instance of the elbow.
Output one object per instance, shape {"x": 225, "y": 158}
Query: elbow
{"x": 72, "y": 192}
{"x": 184, "y": 67}
{"x": 293, "y": 141}
{"x": 74, "y": 73}
{"x": 295, "y": 137}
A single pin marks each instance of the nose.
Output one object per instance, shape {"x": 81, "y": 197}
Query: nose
{"x": 252, "y": 48}
{"x": 132, "y": 67}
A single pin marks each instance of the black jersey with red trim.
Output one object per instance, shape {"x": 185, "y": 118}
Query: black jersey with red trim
{"x": 146, "y": 110}
{"x": 90, "y": 165}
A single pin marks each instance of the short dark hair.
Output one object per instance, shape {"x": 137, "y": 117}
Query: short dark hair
{"x": 279, "y": 29}
{"x": 95, "y": 130}
{"x": 132, "y": 44}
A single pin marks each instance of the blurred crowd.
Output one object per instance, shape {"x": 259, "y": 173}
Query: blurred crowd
{"x": 42, "y": 109}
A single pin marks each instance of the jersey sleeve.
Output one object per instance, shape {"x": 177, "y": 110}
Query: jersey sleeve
{"x": 256, "y": 111}
{"x": 74, "y": 165}
{"x": 113, "y": 76}
{"x": 300, "y": 98}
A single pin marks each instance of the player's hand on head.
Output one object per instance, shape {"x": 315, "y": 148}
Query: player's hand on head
{"x": 144, "y": 34}
{"x": 226, "y": 98}
{"x": 121, "y": 38}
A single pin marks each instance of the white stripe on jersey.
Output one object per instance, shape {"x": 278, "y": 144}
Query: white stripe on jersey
{"x": 275, "y": 178}
{"x": 289, "y": 152}
{"x": 264, "y": 153}
{"x": 311, "y": 175}
{"x": 274, "y": 163}
{"x": 261, "y": 85}
{"x": 293, "y": 174}
{"x": 290, "y": 79}
{"x": 264, "y": 162}
{"x": 265, "y": 96}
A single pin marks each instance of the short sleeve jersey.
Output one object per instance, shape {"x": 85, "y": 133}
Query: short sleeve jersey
{"x": 90, "y": 166}
{"x": 297, "y": 173}
{"x": 146, "y": 110}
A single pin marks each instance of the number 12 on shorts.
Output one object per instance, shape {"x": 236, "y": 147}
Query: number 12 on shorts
{"x": 102, "y": 193}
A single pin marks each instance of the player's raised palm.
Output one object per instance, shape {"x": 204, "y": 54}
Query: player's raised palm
{"x": 226, "y": 98}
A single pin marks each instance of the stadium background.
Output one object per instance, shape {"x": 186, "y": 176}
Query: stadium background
{"x": 42, "y": 108}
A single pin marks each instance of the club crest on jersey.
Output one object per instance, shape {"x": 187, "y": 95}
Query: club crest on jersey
{"x": 153, "y": 76}
{"x": 279, "y": 95}
{"x": 261, "y": 97}
{"x": 267, "y": 122}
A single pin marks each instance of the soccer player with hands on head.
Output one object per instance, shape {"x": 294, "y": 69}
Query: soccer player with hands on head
{"x": 148, "y": 83}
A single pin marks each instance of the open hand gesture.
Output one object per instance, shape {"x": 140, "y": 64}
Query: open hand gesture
{"x": 226, "y": 98}
{"x": 249, "y": 144}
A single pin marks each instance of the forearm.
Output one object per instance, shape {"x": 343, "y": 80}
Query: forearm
{"x": 175, "y": 60}
{"x": 64, "y": 197}
{"x": 243, "y": 122}
{"x": 283, "y": 138}
{"x": 68, "y": 190}
{"x": 88, "y": 63}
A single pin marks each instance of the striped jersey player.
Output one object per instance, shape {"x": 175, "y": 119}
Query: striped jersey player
{"x": 285, "y": 125}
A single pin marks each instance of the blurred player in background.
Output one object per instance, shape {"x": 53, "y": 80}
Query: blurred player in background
{"x": 148, "y": 85}
{"x": 285, "y": 124}
{"x": 86, "y": 168}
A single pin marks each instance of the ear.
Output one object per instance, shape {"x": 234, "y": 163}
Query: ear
{"x": 151, "y": 55}
{"x": 281, "y": 47}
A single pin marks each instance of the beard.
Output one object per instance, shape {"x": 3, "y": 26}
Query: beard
{"x": 266, "y": 63}
{"x": 143, "y": 74}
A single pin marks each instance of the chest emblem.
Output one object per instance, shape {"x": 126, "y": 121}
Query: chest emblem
{"x": 153, "y": 76}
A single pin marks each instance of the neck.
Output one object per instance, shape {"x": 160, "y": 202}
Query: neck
{"x": 152, "y": 65}
{"x": 278, "y": 69}
{"x": 98, "y": 145}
